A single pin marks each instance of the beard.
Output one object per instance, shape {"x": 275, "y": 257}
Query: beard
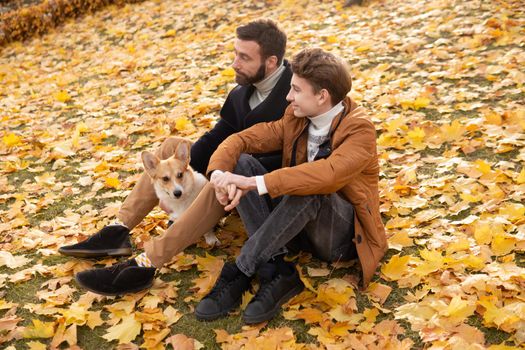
{"x": 243, "y": 79}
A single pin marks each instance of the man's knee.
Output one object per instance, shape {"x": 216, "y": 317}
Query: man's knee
{"x": 246, "y": 165}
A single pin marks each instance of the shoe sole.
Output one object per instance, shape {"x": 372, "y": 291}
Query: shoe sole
{"x": 207, "y": 317}
{"x": 270, "y": 314}
{"x": 79, "y": 253}
{"x": 131, "y": 291}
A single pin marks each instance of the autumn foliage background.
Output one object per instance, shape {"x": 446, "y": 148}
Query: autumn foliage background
{"x": 444, "y": 83}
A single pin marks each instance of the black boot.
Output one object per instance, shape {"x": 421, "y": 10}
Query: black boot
{"x": 279, "y": 281}
{"x": 112, "y": 240}
{"x": 225, "y": 295}
{"x": 122, "y": 278}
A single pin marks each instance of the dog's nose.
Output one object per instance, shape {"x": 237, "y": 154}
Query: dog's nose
{"x": 177, "y": 193}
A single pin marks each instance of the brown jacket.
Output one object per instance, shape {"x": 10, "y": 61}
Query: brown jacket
{"x": 352, "y": 169}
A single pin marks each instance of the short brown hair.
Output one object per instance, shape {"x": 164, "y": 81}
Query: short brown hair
{"x": 324, "y": 71}
{"x": 267, "y": 35}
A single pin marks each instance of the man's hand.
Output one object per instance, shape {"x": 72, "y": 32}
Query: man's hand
{"x": 227, "y": 178}
{"x": 229, "y": 188}
{"x": 220, "y": 193}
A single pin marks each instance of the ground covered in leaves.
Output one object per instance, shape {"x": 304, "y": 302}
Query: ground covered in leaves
{"x": 443, "y": 81}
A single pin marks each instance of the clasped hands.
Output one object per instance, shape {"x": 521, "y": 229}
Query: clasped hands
{"x": 229, "y": 188}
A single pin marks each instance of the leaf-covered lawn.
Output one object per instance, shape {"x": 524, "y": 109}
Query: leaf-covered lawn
{"x": 444, "y": 83}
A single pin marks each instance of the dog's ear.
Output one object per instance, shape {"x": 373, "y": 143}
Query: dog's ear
{"x": 183, "y": 152}
{"x": 150, "y": 162}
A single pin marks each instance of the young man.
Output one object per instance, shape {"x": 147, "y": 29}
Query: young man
{"x": 325, "y": 198}
{"x": 264, "y": 79}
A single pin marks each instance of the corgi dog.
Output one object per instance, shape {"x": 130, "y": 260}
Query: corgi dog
{"x": 176, "y": 184}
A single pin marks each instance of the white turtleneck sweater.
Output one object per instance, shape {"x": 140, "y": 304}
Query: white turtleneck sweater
{"x": 264, "y": 87}
{"x": 317, "y": 134}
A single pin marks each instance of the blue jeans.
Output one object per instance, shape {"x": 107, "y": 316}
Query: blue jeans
{"x": 320, "y": 224}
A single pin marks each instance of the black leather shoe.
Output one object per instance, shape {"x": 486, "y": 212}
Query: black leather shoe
{"x": 122, "y": 278}
{"x": 112, "y": 240}
{"x": 278, "y": 284}
{"x": 225, "y": 295}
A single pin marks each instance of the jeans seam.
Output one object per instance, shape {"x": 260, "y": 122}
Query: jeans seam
{"x": 241, "y": 267}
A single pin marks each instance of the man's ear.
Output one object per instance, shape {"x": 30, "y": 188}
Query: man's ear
{"x": 150, "y": 162}
{"x": 183, "y": 152}
{"x": 271, "y": 62}
{"x": 324, "y": 96}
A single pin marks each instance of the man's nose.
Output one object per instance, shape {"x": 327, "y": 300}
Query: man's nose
{"x": 235, "y": 63}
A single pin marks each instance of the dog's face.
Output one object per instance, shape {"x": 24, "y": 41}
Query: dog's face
{"x": 173, "y": 177}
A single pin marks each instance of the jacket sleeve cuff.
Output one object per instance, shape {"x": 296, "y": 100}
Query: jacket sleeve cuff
{"x": 261, "y": 186}
{"x": 211, "y": 172}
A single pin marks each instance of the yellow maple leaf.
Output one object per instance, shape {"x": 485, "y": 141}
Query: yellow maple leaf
{"x": 112, "y": 182}
{"x": 94, "y": 319}
{"x": 458, "y": 309}
{"x": 341, "y": 329}
{"x": 39, "y": 329}
{"x": 502, "y": 243}
{"x": 172, "y": 315}
{"x": 306, "y": 281}
{"x": 418, "y": 103}
{"x": 362, "y": 48}
{"x": 396, "y": 267}
{"x": 458, "y": 245}
{"x": 421, "y": 102}
{"x": 335, "y": 292}
{"x": 469, "y": 197}
{"x": 453, "y": 132}
{"x": 416, "y": 136}
{"x": 332, "y": 39}
{"x": 399, "y": 240}
{"x": 246, "y": 298}
{"x": 471, "y": 261}
{"x": 102, "y": 166}
{"x": 170, "y": 33}
{"x": 521, "y": 177}
{"x": 182, "y": 123}
{"x": 513, "y": 211}
{"x": 11, "y": 140}
{"x": 378, "y": 291}
{"x": 493, "y": 314}
{"x": 63, "y": 334}
{"x": 483, "y": 233}
{"x": 483, "y": 166}
{"x": 310, "y": 315}
{"x": 211, "y": 267}
{"x": 153, "y": 339}
{"x": 493, "y": 118}
{"x": 125, "y": 332}
{"x": 62, "y": 96}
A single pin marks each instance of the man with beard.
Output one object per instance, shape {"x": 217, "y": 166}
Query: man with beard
{"x": 264, "y": 80}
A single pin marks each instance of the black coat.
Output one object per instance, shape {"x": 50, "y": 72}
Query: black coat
{"x": 236, "y": 115}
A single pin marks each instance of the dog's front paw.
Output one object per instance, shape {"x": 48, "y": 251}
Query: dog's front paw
{"x": 211, "y": 239}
